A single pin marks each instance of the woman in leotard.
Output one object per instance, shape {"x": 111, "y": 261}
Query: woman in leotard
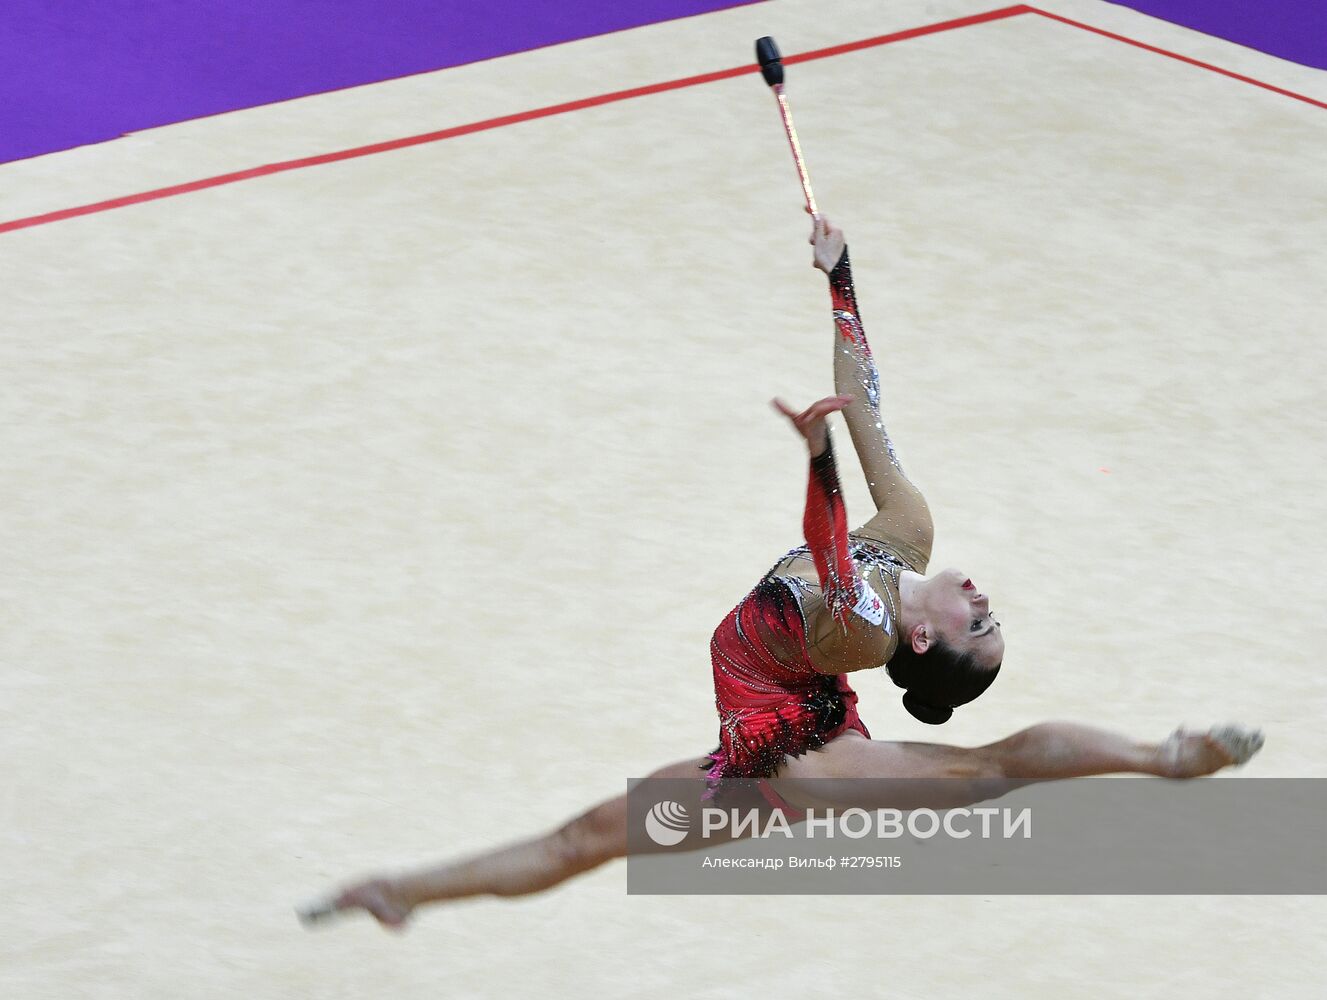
{"x": 844, "y": 601}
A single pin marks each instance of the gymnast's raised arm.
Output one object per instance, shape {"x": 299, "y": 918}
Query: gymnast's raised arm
{"x": 903, "y": 519}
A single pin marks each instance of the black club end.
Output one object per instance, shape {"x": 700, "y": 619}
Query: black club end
{"x": 771, "y": 62}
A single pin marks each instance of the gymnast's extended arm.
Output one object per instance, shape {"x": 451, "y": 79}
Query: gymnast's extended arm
{"x": 903, "y": 519}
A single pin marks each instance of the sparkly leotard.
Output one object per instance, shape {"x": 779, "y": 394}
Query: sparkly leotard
{"x": 772, "y": 701}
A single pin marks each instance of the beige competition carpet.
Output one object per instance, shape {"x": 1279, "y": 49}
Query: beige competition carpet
{"x": 333, "y": 502}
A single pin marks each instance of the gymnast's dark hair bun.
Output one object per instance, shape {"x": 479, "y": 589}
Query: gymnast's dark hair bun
{"x": 932, "y": 715}
{"x": 936, "y": 681}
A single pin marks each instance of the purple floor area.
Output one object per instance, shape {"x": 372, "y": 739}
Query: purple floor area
{"x": 72, "y": 74}
{"x": 1290, "y": 29}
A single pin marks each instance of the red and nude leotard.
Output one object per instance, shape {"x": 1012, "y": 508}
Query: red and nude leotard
{"x": 773, "y": 705}
{"x": 770, "y": 705}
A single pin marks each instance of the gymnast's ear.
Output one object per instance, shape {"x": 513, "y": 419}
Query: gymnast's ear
{"x": 919, "y": 639}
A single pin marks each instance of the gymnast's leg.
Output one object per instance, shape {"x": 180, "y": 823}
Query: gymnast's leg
{"x": 957, "y": 776}
{"x": 829, "y": 777}
{"x": 585, "y": 842}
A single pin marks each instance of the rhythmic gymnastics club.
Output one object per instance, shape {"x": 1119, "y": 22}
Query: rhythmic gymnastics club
{"x": 771, "y": 68}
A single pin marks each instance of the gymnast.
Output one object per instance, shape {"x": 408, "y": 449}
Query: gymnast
{"x": 843, "y": 602}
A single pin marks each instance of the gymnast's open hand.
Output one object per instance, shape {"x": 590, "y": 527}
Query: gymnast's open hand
{"x": 810, "y": 423}
{"x": 829, "y": 243}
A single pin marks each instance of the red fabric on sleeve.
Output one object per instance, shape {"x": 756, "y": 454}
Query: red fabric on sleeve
{"x": 843, "y": 298}
{"x": 825, "y": 525}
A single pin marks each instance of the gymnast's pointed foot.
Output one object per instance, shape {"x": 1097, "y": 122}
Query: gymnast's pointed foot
{"x": 379, "y": 897}
{"x": 1191, "y": 755}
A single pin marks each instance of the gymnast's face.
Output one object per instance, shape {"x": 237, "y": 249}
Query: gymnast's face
{"x": 961, "y": 616}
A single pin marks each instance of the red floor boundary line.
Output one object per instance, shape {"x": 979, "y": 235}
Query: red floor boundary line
{"x": 492, "y": 123}
{"x": 619, "y": 95}
{"x": 1176, "y": 55}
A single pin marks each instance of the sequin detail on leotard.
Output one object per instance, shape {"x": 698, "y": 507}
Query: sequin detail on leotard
{"x": 770, "y": 708}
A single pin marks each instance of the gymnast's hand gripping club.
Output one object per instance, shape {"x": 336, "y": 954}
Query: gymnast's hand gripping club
{"x": 771, "y": 68}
